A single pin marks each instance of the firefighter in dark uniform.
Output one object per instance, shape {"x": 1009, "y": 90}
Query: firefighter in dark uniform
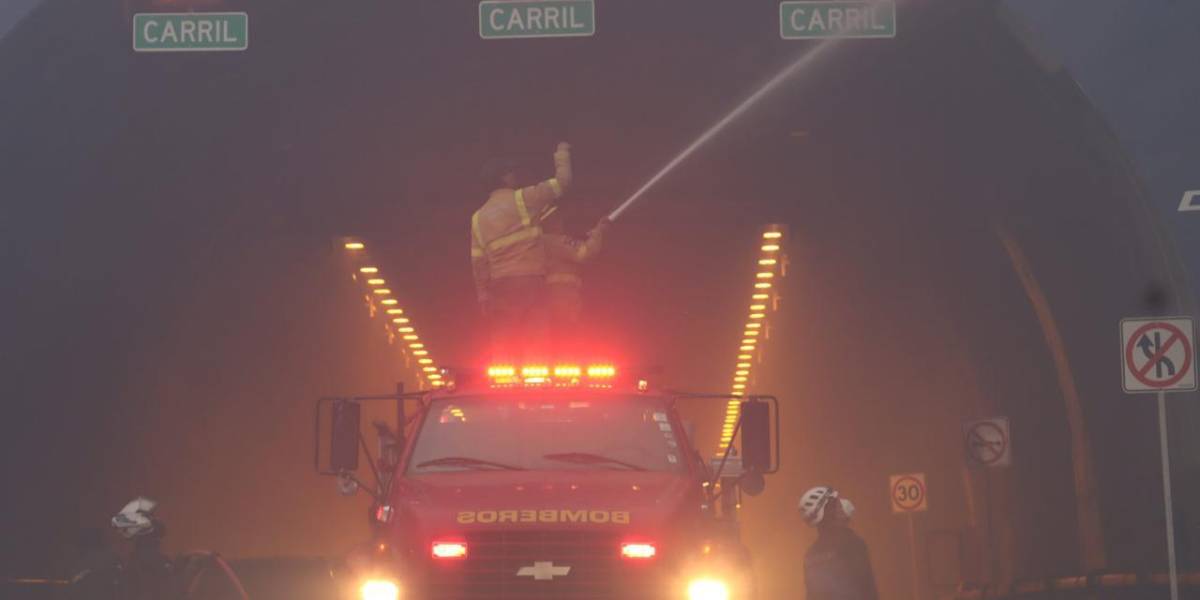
{"x": 837, "y": 566}
{"x": 565, "y": 255}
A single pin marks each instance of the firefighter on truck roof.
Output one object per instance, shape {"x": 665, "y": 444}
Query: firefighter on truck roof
{"x": 564, "y": 256}
{"x": 508, "y": 256}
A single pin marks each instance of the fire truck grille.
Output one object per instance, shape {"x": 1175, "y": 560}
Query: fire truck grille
{"x": 550, "y": 564}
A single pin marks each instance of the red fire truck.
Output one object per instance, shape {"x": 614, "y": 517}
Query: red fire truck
{"x": 547, "y": 481}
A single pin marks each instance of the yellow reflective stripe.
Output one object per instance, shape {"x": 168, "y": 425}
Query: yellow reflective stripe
{"x": 517, "y": 236}
{"x": 556, "y": 186}
{"x": 519, "y": 196}
{"x": 564, "y": 278}
{"x": 475, "y": 230}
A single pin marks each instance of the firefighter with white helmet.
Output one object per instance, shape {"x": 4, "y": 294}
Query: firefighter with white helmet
{"x": 837, "y": 566}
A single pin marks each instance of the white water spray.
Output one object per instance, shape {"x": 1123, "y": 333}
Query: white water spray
{"x": 767, "y": 88}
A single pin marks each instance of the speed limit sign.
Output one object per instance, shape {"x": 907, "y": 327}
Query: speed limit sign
{"x": 908, "y": 493}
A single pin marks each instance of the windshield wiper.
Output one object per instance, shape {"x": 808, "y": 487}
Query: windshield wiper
{"x": 468, "y": 462}
{"x": 587, "y": 458}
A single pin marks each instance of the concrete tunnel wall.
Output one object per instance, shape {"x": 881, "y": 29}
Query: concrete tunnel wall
{"x": 199, "y": 311}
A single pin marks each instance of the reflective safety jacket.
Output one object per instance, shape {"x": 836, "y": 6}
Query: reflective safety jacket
{"x": 564, "y": 254}
{"x": 506, "y": 240}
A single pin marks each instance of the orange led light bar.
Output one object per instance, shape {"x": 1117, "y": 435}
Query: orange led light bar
{"x": 769, "y": 268}
{"x": 397, "y": 327}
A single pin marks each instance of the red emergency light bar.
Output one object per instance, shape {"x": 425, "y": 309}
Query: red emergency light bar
{"x": 556, "y": 376}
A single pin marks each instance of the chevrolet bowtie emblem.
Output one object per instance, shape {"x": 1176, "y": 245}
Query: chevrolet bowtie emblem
{"x": 543, "y": 571}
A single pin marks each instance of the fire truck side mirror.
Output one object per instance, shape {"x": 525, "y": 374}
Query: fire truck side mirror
{"x": 344, "y": 436}
{"x": 756, "y": 436}
{"x": 752, "y": 483}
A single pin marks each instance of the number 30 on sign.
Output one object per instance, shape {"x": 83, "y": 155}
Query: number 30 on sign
{"x": 908, "y": 493}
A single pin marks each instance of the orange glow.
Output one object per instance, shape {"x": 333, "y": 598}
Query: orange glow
{"x": 355, "y": 245}
{"x": 448, "y": 550}
{"x": 638, "y": 551}
{"x": 601, "y": 371}
{"x": 535, "y": 371}
{"x": 567, "y": 371}
{"x": 501, "y": 371}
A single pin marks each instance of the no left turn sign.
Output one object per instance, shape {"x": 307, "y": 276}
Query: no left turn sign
{"x": 908, "y": 493}
{"x": 1158, "y": 354}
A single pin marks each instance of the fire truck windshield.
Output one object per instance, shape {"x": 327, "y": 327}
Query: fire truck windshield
{"x": 579, "y": 431}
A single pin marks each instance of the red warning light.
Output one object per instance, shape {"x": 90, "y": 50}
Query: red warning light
{"x": 449, "y": 550}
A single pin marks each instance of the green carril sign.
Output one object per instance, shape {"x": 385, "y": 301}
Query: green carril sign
{"x": 507, "y": 19}
{"x": 190, "y": 32}
{"x": 844, "y": 19}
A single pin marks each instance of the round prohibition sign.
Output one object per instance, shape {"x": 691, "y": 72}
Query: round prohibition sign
{"x": 908, "y": 493}
{"x": 987, "y": 443}
{"x": 1174, "y": 336}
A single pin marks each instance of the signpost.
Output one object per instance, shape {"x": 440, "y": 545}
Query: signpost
{"x": 988, "y": 444}
{"x": 812, "y": 20}
{"x": 1158, "y": 356}
{"x": 191, "y": 32}
{"x": 509, "y": 19}
{"x": 909, "y": 496}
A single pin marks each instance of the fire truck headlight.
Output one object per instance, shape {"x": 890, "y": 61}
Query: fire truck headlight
{"x": 379, "y": 589}
{"x": 708, "y": 589}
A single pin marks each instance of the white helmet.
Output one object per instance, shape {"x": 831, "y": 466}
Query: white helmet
{"x": 813, "y": 502}
{"x": 134, "y": 520}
